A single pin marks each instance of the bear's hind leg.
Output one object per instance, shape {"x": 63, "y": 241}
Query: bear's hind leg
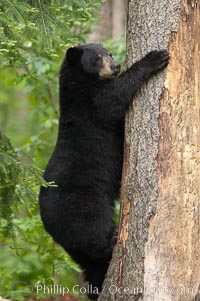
{"x": 94, "y": 272}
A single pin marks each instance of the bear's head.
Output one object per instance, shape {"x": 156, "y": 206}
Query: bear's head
{"x": 93, "y": 60}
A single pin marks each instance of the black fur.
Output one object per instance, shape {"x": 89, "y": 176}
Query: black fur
{"x": 87, "y": 161}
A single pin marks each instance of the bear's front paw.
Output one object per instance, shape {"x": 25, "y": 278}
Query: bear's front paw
{"x": 156, "y": 60}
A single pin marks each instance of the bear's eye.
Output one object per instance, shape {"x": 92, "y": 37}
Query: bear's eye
{"x": 110, "y": 54}
{"x": 95, "y": 61}
{"x": 97, "y": 58}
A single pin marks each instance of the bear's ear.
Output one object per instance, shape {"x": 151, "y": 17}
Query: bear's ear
{"x": 73, "y": 54}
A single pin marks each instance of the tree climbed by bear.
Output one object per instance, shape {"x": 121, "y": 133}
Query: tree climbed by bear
{"x": 86, "y": 164}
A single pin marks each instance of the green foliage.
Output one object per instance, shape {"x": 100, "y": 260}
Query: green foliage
{"x": 41, "y": 26}
{"x": 33, "y": 259}
{"x": 9, "y": 171}
{"x": 18, "y": 183}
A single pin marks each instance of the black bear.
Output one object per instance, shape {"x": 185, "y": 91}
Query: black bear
{"x": 86, "y": 164}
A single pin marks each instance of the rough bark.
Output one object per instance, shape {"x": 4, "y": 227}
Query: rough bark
{"x": 157, "y": 257}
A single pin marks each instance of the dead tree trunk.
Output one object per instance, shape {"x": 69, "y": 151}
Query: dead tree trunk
{"x": 157, "y": 257}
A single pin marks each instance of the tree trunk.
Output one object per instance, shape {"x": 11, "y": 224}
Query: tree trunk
{"x": 157, "y": 257}
{"x": 118, "y": 17}
{"x": 103, "y": 29}
{"x": 111, "y": 21}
